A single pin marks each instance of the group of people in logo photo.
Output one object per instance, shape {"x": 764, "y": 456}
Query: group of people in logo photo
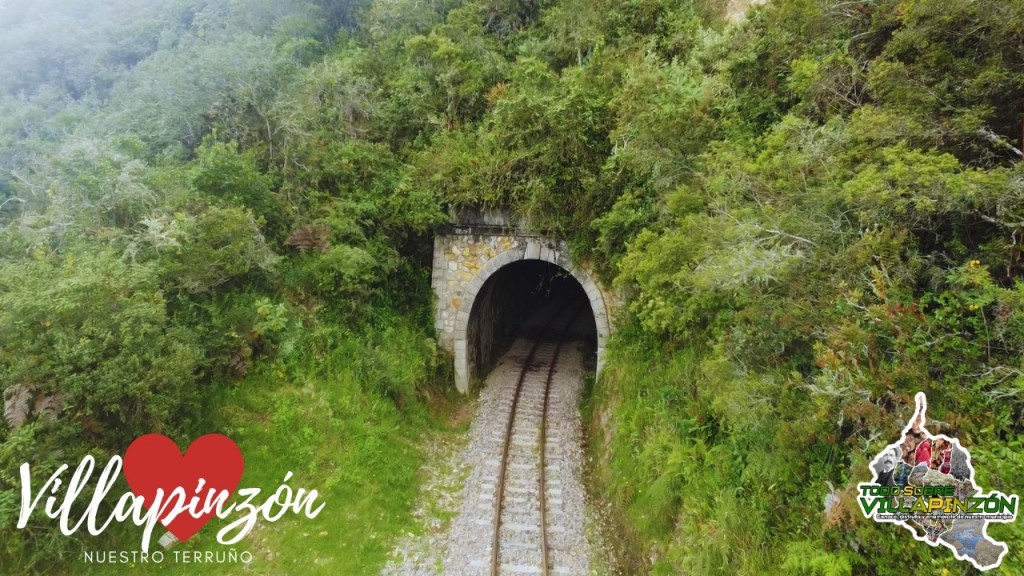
{"x": 921, "y": 459}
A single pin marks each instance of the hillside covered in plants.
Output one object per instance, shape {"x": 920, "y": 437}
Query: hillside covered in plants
{"x": 216, "y": 215}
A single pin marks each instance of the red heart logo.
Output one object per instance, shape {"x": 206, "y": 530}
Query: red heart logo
{"x": 153, "y": 462}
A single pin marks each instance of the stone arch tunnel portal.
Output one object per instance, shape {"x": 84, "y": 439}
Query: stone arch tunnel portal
{"x": 491, "y": 284}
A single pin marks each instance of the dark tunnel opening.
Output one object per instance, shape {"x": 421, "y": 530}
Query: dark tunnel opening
{"x": 514, "y": 301}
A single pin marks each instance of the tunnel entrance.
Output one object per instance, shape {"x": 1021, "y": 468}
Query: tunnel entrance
{"x": 514, "y": 301}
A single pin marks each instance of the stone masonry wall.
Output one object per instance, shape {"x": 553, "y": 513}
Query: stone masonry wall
{"x": 463, "y": 261}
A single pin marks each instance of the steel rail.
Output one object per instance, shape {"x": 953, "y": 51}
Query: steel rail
{"x": 543, "y": 444}
{"x": 500, "y": 498}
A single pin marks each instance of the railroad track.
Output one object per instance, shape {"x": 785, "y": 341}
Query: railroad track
{"x": 523, "y": 493}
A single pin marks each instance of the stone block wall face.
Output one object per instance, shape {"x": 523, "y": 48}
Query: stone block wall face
{"x": 464, "y": 262}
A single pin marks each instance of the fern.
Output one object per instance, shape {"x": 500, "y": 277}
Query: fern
{"x": 16, "y": 405}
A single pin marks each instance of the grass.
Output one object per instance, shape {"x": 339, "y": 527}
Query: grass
{"x": 356, "y": 447}
{"x": 699, "y": 477}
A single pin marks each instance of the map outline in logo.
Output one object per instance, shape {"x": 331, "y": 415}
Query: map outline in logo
{"x": 958, "y": 526}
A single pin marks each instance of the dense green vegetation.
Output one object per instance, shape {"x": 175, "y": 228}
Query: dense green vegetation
{"x": 196, "y": 238}
{"x": 216, "y": 215}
